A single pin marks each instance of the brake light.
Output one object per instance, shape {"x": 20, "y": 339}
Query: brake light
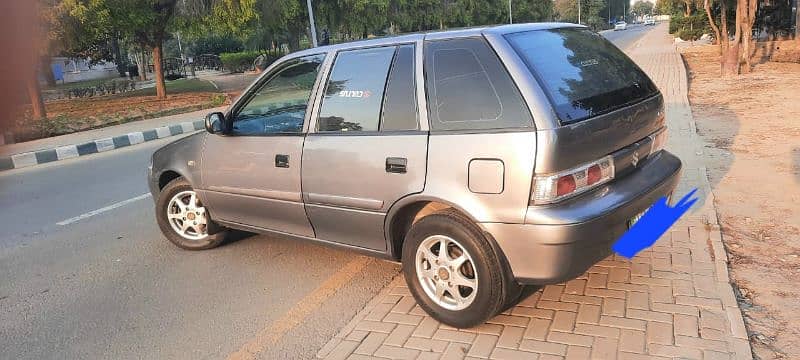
{"x": 565, "y": 185}
{"x": 593, "y": 175}
{"x": 556, "y": 187}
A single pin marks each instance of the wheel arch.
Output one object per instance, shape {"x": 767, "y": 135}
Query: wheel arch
{"x": 406, "y": 211}
{"x": 166, "y": 176}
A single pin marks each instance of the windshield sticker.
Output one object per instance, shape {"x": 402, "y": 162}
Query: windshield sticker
{"x": 355, "y": 93}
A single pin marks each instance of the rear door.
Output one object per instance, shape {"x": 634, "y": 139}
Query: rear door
{"x": 602, "y": 99}
{"x": 367, "y": 149}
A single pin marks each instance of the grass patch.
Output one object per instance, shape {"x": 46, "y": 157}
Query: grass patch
{"x": 82, "y": 84}
{"x": 180, "y": 86}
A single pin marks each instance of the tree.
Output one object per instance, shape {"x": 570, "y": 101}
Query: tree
{"x": 642, "y": 7}
{"x": 669, "y": 7}
{"x": 592, "y": 12}
{"x": 734, "y": 54}
{"x": 145, "y": 22}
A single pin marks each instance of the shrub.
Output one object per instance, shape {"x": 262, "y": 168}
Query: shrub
{"x": 265, "y": 60}
{"x": 689, "y": 27}
{"x": 216, "y": 44}
{"x": 238, "y": 61}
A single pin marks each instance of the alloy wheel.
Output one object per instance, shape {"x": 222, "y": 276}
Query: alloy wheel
{"x": 187, "y": 216}
{"x": 446, "y": 272}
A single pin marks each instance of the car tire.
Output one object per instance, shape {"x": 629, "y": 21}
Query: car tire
{"x": 201, "y": 232}
{"x": 463, "y": 286}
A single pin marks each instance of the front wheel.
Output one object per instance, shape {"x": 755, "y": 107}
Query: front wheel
{"x": 184, "y": 219}
{"x": 453, "y": 272}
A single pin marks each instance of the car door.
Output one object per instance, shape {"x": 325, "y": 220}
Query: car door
{"x": 367, "y": 149}
{"x": 251, "y": 176}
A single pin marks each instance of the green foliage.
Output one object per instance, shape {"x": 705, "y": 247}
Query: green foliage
{"x": 689, "y": 27}
{"x": 593, "y": 12}
{"x": 52, "y": 126}
{"x": 79, "y": 28}
{"x": 215, "y": 44}
{"x": 239, "y": 61}
{"x": 670, "y": 7}
{"x": 218, "y": 100}
{"x": 642, "y": 8}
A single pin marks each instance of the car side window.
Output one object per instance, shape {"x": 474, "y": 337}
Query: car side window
{"x": 400, "y": 103}
{"x": 469, "y": 89}
{"x": 355, "y": 89}
{"x": 279, "y": 105}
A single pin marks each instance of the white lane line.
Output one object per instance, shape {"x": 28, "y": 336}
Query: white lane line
{"x": 102, "y": 210}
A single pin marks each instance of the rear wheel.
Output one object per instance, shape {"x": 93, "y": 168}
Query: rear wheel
{"x": 184, "y": 219}
{"x": 453, "y": 272}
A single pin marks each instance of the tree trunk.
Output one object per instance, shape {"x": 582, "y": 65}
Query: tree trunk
{"x": 688, "y": 7}
{"x": 797, "y": 24}
{"x": 293, "y": 39}
{"x": 713, "y": 23}
{"x": 142, "y": 65}
{"x": 46, "y": 71}
{"x": 724, "y": 24}
{"x": 730, "y": 60}
{"x": 749, "y": 18}
{"x": 121, "y": 65}
{"x": 158, "y": 70}
{"x": 35, "y": 94}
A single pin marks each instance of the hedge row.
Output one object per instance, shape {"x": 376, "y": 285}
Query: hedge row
{"x": 247, "y": 60}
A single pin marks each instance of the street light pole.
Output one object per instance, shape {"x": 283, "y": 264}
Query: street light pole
{"x": 313, "y": 27}
{"x": 510, "y": 20}
{"x": 579, "y": 12}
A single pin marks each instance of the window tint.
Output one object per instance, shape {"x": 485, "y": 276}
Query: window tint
{"x": 400, "y": 104}
{"x": 469, "y": 89}
{"x": 354, "y": 92}
{"x": 583, "y": 74}
{"x": 279, "y": 106}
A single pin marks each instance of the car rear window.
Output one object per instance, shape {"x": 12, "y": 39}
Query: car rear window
{"x": 583, "y": 74}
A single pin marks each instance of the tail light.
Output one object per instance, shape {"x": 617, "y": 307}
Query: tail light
{"x": 556, "y": 187}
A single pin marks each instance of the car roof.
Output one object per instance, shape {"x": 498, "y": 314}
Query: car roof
{"x": 436, "y": 35}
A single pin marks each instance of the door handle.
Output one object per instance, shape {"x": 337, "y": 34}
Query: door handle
{"x": 282, "y": 161}
{"x": 396, "y": 165}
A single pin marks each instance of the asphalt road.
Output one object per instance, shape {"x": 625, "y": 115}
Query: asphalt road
{"x": 106, "y": 284}
{"x": 627, "y": 38}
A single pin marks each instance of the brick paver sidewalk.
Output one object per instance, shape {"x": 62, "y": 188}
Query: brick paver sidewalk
{"x": 673, "y": 300}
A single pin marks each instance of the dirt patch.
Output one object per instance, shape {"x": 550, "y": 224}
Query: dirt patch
{"x": 750, "y": 124}
{"x": 68, "y": 116}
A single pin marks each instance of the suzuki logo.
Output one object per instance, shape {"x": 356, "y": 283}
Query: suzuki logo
{"x": 635, "y": 159}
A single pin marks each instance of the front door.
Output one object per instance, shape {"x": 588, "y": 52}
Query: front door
{"x": 251, "y": 176}
{"x": 367, "y": 150}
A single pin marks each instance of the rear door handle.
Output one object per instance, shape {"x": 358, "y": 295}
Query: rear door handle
{"x": 282, "y": 161}
{"x": 396, "y": 165}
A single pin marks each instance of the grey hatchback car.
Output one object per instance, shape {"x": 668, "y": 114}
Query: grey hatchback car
{"x": 483, "y": 159}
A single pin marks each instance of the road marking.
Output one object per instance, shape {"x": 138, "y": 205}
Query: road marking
{"x": 275, "y": 331}
{"x": 102, "y": 210}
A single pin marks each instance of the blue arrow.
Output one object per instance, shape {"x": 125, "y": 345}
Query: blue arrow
{"x": 654, "y": 223}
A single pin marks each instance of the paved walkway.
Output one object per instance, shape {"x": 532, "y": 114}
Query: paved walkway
{"x": 673, "y": 300}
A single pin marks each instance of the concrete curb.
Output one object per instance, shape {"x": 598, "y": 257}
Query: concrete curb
{"x": 64, "y": 152}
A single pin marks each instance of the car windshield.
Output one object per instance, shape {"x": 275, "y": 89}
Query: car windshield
{"x": 583, "y": 74}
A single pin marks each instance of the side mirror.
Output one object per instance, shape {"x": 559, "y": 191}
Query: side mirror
{"x": 216, "y": 124}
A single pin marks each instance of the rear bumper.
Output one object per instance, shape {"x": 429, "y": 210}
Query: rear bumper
{"x": 559, "y": 242}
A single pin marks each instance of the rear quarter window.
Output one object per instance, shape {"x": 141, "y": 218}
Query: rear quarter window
{"x": 583, "y": 74}
{"x": 469, "y": 89}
